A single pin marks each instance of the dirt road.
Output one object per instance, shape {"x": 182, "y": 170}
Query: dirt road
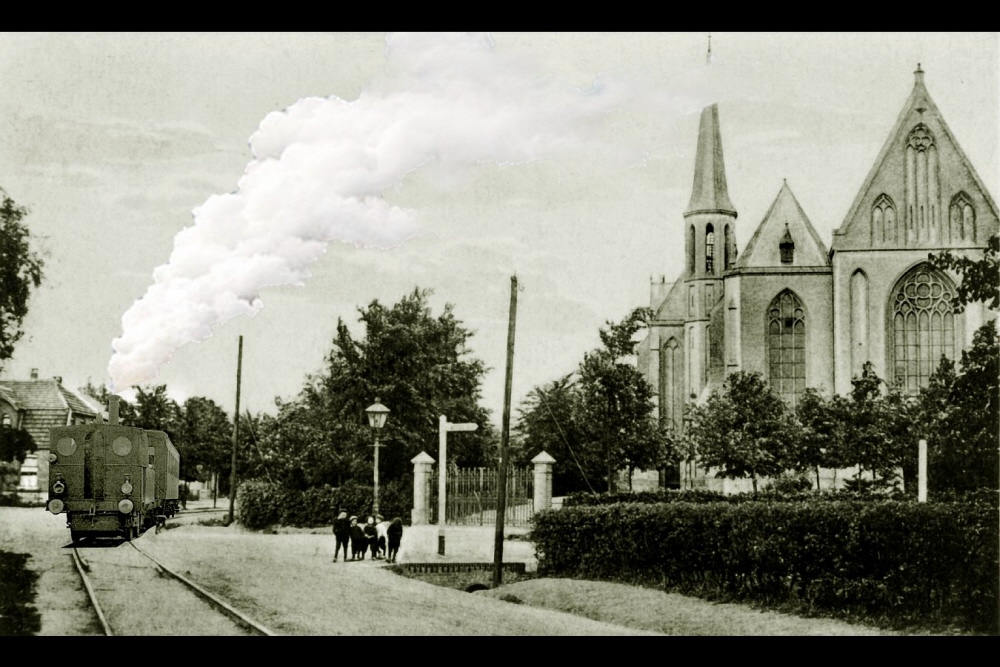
{"x": 285, "y": 581}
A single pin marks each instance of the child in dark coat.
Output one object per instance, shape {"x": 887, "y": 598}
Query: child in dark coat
{"x": 342, "y": 533}
{"x": 357, "y": 540}
{"x": 371, "y": 536}
{"x": 394, "y": 533}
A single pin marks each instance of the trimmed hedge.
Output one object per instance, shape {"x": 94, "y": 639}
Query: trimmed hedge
{"x": 262, "y": 504}
{"x": 701, "y": 496}
{"x": 892, "y": 563}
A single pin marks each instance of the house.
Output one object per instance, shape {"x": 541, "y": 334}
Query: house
{"x": 35, "y": 406}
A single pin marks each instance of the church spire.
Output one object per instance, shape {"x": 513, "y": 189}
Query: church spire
{"x": 709, "y": 194}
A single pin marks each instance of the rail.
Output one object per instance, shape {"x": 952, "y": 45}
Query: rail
{"x": 82, "y": 568}
{"x": 217, "y": 603}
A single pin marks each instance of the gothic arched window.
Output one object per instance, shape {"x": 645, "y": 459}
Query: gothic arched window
{"x": 690, "y": 248}
{"x": 883, "y": 220}
{"x": 786, "y": 346}
{"x": 670, "y": 390}
{"x": 963, "y": 217}
{"x": 709, "y": 248}
{"x": 728, "y": 234}
{"x": 923, "y": 325}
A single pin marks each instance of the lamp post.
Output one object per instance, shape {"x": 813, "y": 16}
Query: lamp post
{"x": 377, "y": 414}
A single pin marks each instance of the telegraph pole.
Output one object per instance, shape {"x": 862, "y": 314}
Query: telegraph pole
{"x": 504, "y": 438}
{"x": 236, "y": 433}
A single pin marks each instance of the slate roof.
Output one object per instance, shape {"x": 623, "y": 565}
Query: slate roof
{"x": 784, "y": 217}
{"x": 709, "y": 192}
{"x": 46, "y": 404}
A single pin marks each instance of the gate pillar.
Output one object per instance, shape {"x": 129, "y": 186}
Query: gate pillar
{"x": 543, "y": 481}
{"x": 421, "y": 477}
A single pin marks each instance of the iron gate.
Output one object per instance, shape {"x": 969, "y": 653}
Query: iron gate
{"x": 471, "y": 496}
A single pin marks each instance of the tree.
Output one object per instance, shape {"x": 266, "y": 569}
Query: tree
{"x": 548, "y": 420}
{"x": 867, "y": 444}
{"x": 126, "y": 411}
{"x": 203, "y": 434}
{"x": 15, "y": 445}
{"x": 418, "y": 365}
{"x": 959, "y": 416}
{"x": 20, "y": 271}
{"x": 744, "y": 430}
{"x": 155, "y": 410}
{"x": 823, "y": 435}
{"x": 980, "y": 277}
{"x": 616, "y": 407}
{"x": 966, "y": 426}
{"x": 976, "y": 413}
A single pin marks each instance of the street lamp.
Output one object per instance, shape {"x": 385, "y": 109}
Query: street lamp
{"x": 376, "y": 419}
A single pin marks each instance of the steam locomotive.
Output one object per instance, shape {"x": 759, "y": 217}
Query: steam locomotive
{"x": 112, "y": 480}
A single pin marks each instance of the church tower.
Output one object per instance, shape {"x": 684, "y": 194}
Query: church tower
{"x": 710, "y": 221}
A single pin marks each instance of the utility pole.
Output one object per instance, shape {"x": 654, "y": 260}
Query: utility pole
{"x": 236, "y": 433}
{"x": 504, "y": 438}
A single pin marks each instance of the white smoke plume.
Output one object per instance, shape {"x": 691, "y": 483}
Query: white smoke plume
{"x": 320, "y": 165}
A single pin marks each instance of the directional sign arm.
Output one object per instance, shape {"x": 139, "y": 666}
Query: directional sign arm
{"x": 463, "y": 427}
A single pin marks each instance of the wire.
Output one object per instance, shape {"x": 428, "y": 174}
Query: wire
{"x": 259, "y": 453}
{"x": 541, "y": 396}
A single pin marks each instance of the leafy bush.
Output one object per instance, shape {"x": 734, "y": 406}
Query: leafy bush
{"x": 18, "y": 615}
{"x": 258, "y": 504}
{"x": 790, "y": 482}
{"x": 893, "y": 563}
{"x": 262, "y": 504}
{"x": 583, "y": 498}
{"x": 702, "y": 496}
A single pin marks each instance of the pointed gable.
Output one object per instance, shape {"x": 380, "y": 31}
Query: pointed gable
{"x": 709, "y": 193}
{"x": 673, "y": 306}
{"x": 783, "y": 221}
{"x": 922, "y": 190}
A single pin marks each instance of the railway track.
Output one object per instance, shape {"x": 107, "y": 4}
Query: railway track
{"x": 133, "y": 593}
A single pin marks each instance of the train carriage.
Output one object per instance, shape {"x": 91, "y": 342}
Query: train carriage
{"x": 167, "y": 463}
{"x": 112, "y": 480}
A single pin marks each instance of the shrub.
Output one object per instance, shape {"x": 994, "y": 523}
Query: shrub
{"x": 583, "y": 498}
{"x": 258, "y": 504}
{"x": 702, "y": 496}
{"x": 893, "y": 563}
{"x": 262, "y": 504}
{"x": 790, "y": 482}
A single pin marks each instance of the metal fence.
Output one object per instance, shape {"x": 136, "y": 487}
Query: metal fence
{"x": 471, "y": 496}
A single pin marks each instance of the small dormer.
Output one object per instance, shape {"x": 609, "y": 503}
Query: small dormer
{"x": 787, "y": 247}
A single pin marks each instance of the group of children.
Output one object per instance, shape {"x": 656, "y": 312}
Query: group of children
{"x": 377, "y": 535}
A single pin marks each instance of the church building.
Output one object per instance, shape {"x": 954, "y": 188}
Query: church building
{"x": 804, "y": 315}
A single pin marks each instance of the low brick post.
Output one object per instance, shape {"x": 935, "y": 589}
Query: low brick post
{"x": 422, "y": 463}
{"x": 543, "y": 481}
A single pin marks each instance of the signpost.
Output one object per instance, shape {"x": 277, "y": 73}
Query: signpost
{"x": 444, "y": 426}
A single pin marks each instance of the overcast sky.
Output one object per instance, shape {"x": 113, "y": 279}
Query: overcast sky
{"x": 112, "y": 140}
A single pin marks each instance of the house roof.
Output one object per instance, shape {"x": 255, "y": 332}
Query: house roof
{"x": 46, "y": 405}
{"x": 8, "y": 395}
{"x": 30, "y": 395}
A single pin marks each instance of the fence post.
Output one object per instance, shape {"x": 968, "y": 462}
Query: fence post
{"x": 421, "y": 476}
{"x": 922, "y": 471}
{"x": 543, "y": 481}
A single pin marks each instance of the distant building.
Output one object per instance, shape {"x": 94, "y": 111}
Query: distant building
{"x": 35, "y": 406}
{"x": 804, "y": 316}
